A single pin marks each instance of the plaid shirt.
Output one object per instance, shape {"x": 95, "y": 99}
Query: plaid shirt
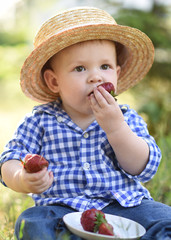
{"x": 86, "y": 171}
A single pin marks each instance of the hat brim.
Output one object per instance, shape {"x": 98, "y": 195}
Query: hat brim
{"x": 136, "y": 58}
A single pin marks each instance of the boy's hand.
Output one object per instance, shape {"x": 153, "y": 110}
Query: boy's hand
{"x": 128, "y": 147}
{"x": 106, "y": 110}
{"x": 36, "y": 182}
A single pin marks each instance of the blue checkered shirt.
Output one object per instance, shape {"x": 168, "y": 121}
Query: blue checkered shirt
{"x": 86, "y": 171}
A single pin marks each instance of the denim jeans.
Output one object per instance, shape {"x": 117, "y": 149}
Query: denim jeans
{"x": 45, "y": 222}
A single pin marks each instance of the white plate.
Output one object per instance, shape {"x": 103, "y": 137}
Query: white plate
{"x": 123, "y": 228}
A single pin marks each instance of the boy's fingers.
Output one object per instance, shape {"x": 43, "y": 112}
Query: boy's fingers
{"x": 47, "y": 184}
{"x": 108, "y": 97}
{"x": 99, "y": 98}
{"x": 94, "y": 103}
{"x": 37, "y": 175}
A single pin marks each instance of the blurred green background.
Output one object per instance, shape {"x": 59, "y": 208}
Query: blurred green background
{"x": 151, "y": 97}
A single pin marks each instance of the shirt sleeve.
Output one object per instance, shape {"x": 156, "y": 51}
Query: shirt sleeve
{"x": 138, "y": 126}
{"x": 26, "y": 139}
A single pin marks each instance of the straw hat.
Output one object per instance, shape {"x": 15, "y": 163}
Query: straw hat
{"x": 135, "y": 50}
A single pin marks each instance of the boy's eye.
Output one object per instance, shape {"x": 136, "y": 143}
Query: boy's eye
{"x": 79, "y": 69}
{"x": 105, "y": 66}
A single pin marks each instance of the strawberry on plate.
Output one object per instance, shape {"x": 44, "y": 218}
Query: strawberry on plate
{"x": 34, "y": 163}
{"x": 106, "y": 229}
{"x": 90, "y": 219}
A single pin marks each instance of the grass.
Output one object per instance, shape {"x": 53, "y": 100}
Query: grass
{"x": 11, "y": 205}
{"x": 13, "y": 107}
{"x": 159, "y": 186}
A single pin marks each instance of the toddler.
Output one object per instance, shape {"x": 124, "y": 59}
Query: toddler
{"x": 98, "y": 151}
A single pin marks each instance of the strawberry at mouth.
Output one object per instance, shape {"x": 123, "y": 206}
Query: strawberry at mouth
{"x": 108, "y": 86}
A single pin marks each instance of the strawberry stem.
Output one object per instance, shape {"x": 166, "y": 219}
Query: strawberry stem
{"x": 41, "y": 157}
{"x": 113, "y": 95}
{"x": 22, "y": 162}
{"x": 99, "y": 220}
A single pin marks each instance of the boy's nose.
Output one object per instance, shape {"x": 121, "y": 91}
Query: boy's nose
{"x": 95, "y": 77}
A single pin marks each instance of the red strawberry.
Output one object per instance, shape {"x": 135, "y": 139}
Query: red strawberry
{"x": 89, "y": 219}
{"x": 34, "y": 163}
{"x": 106, "y": 229}
{"x": 109, "y": 87}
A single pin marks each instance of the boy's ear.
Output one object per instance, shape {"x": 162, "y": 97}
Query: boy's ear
{"x": 51, "y": 80}
{"x": 118, "y": 70}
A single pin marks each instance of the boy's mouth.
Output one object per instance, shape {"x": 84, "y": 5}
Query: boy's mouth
{"x": 92, "y": 92}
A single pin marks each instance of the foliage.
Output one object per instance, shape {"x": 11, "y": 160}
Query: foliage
{"x": 153, "y": 97}
{"x": 12, "y": 204}
{"x": 159, "y": 186}
{"x": 13, "y": 58}
{"x": 161, "y": 70}
{"x": 153, "y": 23}
{"x": 10, "y": 38}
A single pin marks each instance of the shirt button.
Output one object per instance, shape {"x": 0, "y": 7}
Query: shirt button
{"x": 60, "y": 119}
{"x": 86, "y": 135}
{"x": 86, "y": 166}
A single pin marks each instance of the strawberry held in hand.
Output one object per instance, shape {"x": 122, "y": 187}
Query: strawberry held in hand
{"x": 109, "y": 87}
{"x": 34, "y": 163}
{"x": 89, "y": 219}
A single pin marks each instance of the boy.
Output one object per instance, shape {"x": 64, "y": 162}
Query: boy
{"x": 98, "y": 151}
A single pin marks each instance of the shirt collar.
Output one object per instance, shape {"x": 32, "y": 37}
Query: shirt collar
{"x": 51, "y": 108}
{"x": 54, "y": 108}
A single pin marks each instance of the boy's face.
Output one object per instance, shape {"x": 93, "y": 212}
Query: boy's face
{"x": 78, "y": 69}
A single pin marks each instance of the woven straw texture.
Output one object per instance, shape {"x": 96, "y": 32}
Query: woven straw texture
{"x": 81, "y": 24}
